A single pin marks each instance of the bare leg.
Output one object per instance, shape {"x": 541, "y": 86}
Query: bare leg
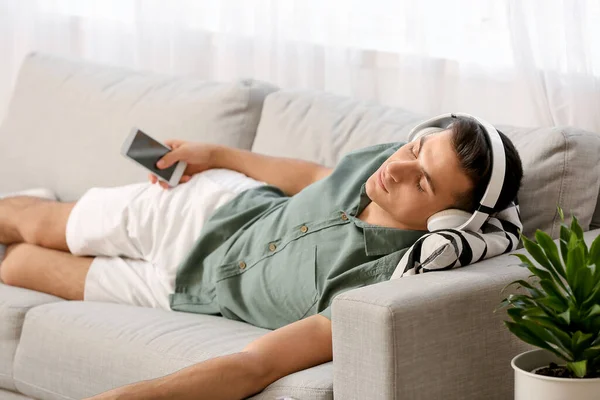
{"x": 35, "y": 221}
{"x": 44, "y": 270}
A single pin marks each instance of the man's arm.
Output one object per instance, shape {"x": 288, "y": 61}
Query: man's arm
{"x": 288, "y": 174}
{"x": 294, "y": 347}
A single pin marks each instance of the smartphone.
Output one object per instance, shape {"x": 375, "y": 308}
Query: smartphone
{"x": 146, "y": 151}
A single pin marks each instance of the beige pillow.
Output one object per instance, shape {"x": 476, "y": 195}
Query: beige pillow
{"x": 561, "y": 168}
{"x": 67, "y": 120}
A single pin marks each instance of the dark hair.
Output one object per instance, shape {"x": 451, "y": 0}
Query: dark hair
{"x": 475, "y": 158}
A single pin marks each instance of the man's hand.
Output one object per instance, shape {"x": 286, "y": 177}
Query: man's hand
{"x": 198, "y": 156}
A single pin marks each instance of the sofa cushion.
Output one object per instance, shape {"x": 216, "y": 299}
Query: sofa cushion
{"x": 77, "y": 349}
{"x": 14, "y": 304}
{"x": 561, "y": 165}
{"x": 322, "y": 127}
{"x": 67, "y": 120}
{"x": 6, "y": 395}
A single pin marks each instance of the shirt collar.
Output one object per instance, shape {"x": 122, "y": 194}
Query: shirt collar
{"x": 381, "y": 240}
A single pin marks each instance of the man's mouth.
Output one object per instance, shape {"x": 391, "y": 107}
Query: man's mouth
{"x": 381, "y": 181}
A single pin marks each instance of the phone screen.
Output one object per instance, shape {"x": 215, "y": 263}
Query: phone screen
{"x": 147, "y": 152}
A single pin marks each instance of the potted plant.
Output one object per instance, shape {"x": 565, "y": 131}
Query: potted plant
{"x": 559, "y": 312}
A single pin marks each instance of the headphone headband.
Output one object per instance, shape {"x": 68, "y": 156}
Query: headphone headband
{"x": 494, "y": 187}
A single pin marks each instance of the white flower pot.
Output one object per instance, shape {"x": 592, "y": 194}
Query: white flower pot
{"x": 529, "y": 386}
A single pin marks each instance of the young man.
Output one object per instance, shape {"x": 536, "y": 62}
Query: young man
{"x": 223, "y": 242}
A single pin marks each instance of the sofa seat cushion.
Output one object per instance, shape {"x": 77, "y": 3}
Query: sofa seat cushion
{"x": 14, "y": 305}
{"x": 67, "y": 120}
{"x": 6, "y": 395}
{"x": 561, "y": 164}
{"x": 73, "y": 350}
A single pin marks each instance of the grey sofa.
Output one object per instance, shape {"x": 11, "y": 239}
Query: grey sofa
{"x": 429, "y": 336}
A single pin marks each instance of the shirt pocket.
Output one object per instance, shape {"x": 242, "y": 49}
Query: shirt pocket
{"x": 274, "y": 291}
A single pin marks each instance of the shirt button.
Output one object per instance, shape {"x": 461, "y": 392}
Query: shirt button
{"x": 344, "y": 217}
{"x": 304, "y": 228}
{"x": 272, "y": 247}
{"x": 242, "y": 265}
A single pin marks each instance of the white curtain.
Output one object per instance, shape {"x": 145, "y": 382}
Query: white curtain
{"x": 520, "y": 62}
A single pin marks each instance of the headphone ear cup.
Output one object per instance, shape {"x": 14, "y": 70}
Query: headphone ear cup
{"x": 447, "y": 219}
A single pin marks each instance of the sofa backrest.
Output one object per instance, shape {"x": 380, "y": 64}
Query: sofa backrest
{"x": 67, "y": 120}
{"x": 561, "y": 165}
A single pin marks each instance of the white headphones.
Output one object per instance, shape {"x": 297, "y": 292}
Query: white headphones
{"x": 459, "y": 219}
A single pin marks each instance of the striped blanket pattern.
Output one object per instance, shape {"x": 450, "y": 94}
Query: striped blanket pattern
{"x": 450, "y": 248}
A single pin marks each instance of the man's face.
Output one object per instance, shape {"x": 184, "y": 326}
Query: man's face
{"x": 418, "y": 180}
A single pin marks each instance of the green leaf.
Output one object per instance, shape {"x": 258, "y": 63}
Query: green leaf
{"x": 576, "y": 261}
{"x": 576, "y": 315}
{"x": 524, "y": 259}
{"x": 576, "y": 228}
{"x": 565, "y": 234}
{"x": 531, "y": 312}
{"x": 555, "y": 338}
{"x": 551, "y": 251}
{"x": 538, "y": 255}
{"x": 526, "y": 299}
{"x": 594, "y": 296}
{"x": 595, "y": 310}
{"x": 540, "y": 273}
{"x": 591, "y": 324}
{"x": 594, "y": 254}
{"x": 579, "y": 342}
{"x": 583, "y": 283}
{"x": 503, "y": 303}
{"x": 579, "y": 368}
{"x": 580, "y": 337}
{"x": 549, "y": 324}
{"x": 593, "y": 269}
{"x": 519, "y": 300}
{"x": 573, "y": 241}
{"x": 561, "y": 214}
{"x": 565, "y": 316}
{"x": 528, "y": 337}
{"x": 591, "y": 353}
{"x": 533, "y": 291}
{"x": 515, "y": 314}
{"x": 553, "y": 304}
{"x": 554, "y": 293}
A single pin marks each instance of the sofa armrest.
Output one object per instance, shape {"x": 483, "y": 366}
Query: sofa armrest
{"x": 429, "y": 336}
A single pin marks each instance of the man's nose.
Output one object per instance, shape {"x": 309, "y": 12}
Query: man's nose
{"x": 400, "y": 170}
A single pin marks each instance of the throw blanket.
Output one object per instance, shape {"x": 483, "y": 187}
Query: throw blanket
{"x": 450, "y": 248}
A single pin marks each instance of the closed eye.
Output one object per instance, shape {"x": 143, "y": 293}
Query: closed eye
{"x": 416, "y": 156}
{"x": 412, "y": 151}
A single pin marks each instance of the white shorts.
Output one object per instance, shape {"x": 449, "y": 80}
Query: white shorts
{"x": 140, "y": 234}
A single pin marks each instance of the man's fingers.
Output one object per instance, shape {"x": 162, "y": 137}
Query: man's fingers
{"x": 152, "y": 178}
{"x": 169, "y": 159}
{"x": 185, "y": 179}
{"x": 174, "y": 143}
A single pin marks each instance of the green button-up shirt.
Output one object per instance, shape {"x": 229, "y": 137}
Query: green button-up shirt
{"x": 270, "y": 259}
